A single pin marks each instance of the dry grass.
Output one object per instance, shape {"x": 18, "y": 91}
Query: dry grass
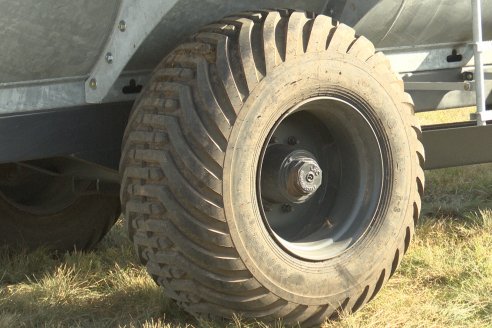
{"x": 446, "y": 116}
{"x": 445, "y": 279}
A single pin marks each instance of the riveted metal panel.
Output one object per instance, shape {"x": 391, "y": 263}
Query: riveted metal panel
{"x": 396, "y": 23}
{"x": 187, "y": 16}
{"x": 51, "y": 39}
{"x": 55, "y": 53}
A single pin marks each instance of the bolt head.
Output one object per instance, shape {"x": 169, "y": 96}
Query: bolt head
{"x": 286, "y": 208}
{"x": 468, "y": 76}
{"x": 93, "y": 84}
{"x": 292, "y": 141}
{"x": 109, "y": 58}
{"x": 122, "y": 26}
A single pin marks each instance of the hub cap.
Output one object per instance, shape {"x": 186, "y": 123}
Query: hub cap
{"x": 290, "y": 175}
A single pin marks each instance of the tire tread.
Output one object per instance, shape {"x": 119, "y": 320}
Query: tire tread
{"x": 203, "y": 84}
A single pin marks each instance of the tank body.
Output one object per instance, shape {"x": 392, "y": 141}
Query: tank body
{"x": 50, "y": 40}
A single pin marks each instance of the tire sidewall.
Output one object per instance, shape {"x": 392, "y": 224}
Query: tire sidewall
{"x": 304, "y": 282}
{"x": 77, "y": 227}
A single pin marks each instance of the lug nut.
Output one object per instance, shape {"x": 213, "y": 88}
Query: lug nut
{"x": 292, "y": 141}
{"x": 286, "y": 208}
{"x": 467, "y": 76}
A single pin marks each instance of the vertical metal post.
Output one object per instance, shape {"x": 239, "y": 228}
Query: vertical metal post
{"x": 477, "y": 50}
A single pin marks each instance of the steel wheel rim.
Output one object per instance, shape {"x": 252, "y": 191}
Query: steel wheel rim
{"x": 341, "y": 140}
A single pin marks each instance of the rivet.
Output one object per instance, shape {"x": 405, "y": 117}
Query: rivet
{"x": 93, "y": 84}
{"x": 122, "y": 26}
{"x": 109, "y": 58}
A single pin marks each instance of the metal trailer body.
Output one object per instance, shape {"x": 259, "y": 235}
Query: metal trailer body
{"x": 273, "y": 165}
{"x": 70, "y": 70}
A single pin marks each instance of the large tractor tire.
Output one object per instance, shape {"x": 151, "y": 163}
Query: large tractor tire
{"x": 40, "y": 210}
{"x": 272, "y": 168}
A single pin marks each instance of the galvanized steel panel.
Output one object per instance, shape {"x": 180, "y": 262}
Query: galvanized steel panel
{"x": 47, "y": 39}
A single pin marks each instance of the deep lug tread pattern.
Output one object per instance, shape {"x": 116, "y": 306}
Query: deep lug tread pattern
{"x": 361, "y": 300}
{"x": 174, "y": 150}
{"x": 319, "y": 34}
{"x": 295, "y": 35}
{"x": 362, "y": 48}
{"x": 210, "y": 174}
{"x": 341, "y": 39}
{"x": 218, "y": 114}
{"x": 340, "y": 310}
{"x": 379, "y": 285}
{"x": 234, "y": 92}
{"x": 246, "y": 46}
{"x": 273, "y": 54}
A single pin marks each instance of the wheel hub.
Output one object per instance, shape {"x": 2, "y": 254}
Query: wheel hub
{"x": 290, "y": 175}
{"x": 303, "y": 176}
{"x": 320, "y": 178}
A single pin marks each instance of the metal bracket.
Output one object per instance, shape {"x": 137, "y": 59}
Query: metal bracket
{"x": 425, "y": 58}
{"x": 483, "y": 46}
{"x": 62, "y": 93}
{"x": 134, "y": 22}
{"x": 482, "y": 116}
{"x": 440, "y": 86}
{"x": 456, "y": 145}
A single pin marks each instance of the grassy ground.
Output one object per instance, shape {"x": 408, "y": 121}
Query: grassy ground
{"x": 446, "y": 116}
{"x": 445, "y": 279}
